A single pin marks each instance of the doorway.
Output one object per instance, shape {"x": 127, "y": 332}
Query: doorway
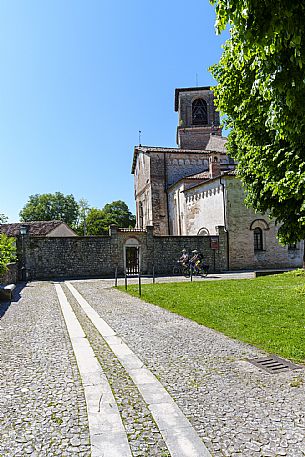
{"x": 132, "y": 260}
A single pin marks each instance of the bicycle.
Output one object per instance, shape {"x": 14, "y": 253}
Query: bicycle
{"x": 181, "y": 269}
{"x": 200, "y": 269}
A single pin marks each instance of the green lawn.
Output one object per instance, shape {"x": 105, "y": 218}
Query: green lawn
{"x": 268, "y": 312}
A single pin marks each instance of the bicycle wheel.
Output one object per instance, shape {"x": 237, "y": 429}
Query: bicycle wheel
{"x": 176, "y": 270}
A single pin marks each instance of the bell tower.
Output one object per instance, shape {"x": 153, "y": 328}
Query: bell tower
{"x": 198, "y": 118}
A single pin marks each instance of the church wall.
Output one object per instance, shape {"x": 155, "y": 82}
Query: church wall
{"x": 180, "y": 165}
{"x": 142, "y": 184}
{"x": 241, "y": 238}
{"x": 204, "y": 208}
{"x": 158, "y": 194}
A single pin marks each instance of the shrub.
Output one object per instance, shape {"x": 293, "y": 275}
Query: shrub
{"x": 7, "y": 252}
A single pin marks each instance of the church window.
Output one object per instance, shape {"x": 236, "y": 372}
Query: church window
{"x": 141, "y": 217}
{"x": 203, "y": 232}
{"x": 258, "y": 239}
{"x": 199, "y": 112}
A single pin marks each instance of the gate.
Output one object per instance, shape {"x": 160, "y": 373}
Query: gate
{"x": 132, "y": 260}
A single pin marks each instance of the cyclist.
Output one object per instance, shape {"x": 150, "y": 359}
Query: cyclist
{"x": 196, "y": 260}
{"x": 184, "y": 259}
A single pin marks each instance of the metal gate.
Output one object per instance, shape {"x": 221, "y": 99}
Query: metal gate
{"x": 132, "y": 260}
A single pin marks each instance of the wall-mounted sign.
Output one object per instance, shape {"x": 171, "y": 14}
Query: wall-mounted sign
{"x": 214, "y": 243}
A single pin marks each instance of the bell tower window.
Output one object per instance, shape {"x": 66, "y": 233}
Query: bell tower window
{"x": 199, "y": 112}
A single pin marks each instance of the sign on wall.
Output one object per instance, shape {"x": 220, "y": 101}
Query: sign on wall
{"x": 214, "y": 243}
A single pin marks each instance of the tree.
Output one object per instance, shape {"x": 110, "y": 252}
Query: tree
{"x": 3, "y": 218}
{"x": 261, "y": 92}
{"x": 47, "y": 207}
{"x": 117, "y": 212}
{"x": 83, "y": 208}
{"x": 7, "y": 252}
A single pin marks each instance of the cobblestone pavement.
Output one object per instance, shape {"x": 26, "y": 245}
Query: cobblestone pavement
{"x": 237, "y": 409}
{"x": 42, "y": 406}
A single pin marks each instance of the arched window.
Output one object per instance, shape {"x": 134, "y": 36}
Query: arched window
{"x": 258, "y": 239}
{"x": 141, "y": 216}
{"x": 203, "y": 232}
{"x": 199, "y": 112}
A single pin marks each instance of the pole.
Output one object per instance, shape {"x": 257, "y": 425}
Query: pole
{"x": 140, "y": 289}
{"x": 191, "y": 274}
{"x": 125, "y": 280}
{"x": 154, "y": 275}
{"x": 116, "y": 277}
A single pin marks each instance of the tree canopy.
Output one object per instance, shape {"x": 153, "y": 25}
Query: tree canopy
{"x": 48, "y": 207}
{"x": 261, "y": 92}
{"x": 99, "y": 220}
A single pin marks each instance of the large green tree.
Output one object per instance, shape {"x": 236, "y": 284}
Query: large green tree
{"x": 261, "y": 92}
{"x": 117, "y": 212}
{"x": 48, "y": 207}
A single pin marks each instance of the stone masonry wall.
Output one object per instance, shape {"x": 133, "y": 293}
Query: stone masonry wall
{"x": 241, "y": 239}
{"x": 99, "y": 256}
{"x": 11, "y": 275}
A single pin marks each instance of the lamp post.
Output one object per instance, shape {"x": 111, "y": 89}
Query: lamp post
{"x": 23, "y": 232}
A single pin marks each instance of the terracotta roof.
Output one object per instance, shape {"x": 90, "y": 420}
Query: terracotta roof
{"x": 201, "y": 175}
{"x": 187, "y": 89}
{"x": 39, "y": 228}
{"x": 217, "y": 144}
{"x": 222, "y": 174}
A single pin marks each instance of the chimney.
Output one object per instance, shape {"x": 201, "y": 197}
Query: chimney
{"x": 214, "y": 165}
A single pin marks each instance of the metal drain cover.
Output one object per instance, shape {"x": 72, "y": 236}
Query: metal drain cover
{"x": 274, "y": 364}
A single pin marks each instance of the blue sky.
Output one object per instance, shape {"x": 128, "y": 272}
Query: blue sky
{"x": 79, "y": 79}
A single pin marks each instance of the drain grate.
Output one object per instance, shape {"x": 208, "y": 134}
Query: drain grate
{"x": 274, "y": 364}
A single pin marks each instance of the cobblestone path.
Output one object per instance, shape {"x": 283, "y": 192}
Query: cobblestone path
{"x": 42, "y": 406}
{"x": 235, "y": 408}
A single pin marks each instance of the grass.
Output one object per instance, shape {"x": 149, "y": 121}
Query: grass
{"x": 268, "y": 312}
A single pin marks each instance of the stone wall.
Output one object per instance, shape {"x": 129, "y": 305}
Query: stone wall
{"x": 11, "y": 275}
{"x": 46, "y": 258}
{"x": 241, "y": 222}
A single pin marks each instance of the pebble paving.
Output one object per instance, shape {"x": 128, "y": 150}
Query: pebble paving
{"x": 236, "y": 408}
{"x": 42, "y": 405}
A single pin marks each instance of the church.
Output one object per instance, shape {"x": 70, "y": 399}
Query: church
{"x": 192, "y": 190}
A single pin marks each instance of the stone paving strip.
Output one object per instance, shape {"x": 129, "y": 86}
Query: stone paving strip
{"x": 42, "y": 404}
{"x": 107, "y": 434}
{"x": 144, "y": 437}
{"x": 237, "y": 409}
{"x": 180, "y": 437}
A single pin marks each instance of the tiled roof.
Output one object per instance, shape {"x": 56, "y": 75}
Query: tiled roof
{"x": 201, "y": 175}
{"x": 39, "y": 228}
{"x": 216, "y": 144}
{"x": 222, "y": 174}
